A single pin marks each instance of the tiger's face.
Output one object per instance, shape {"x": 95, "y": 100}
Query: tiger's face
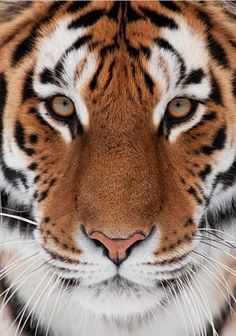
{"x": 118, "y": 132}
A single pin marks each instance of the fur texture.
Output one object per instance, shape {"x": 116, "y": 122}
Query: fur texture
{"x": 120, "y": 165}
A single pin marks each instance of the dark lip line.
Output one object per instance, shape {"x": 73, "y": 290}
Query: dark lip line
{"x": 63, "y": 269}
{"x": 164, "y": 283}
{"x": 173, "y": 273}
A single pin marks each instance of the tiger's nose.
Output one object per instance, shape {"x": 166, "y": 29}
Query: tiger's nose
{"x": 116, "y": 247}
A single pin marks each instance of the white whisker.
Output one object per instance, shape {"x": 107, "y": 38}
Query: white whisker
{"x": 182, "y": 290}
{"x": 6, "y": 300}
{"x": 215, "y": 282}
{"x": 54, "y": 307}
{"x": 23, "y": 310}
{"x": 54, "y": 285}
{"x": 207, "y": 311}
{"x": 18, "y": 218}
{"x": 13, "y": 266}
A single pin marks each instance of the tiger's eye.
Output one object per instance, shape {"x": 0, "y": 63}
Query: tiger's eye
{"x": 62, "y": 106}
{"x": 180, "y": 108}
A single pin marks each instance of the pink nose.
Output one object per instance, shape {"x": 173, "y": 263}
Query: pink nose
{"x": 117, "y": 248}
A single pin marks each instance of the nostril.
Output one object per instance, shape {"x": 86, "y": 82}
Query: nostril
{"x": 117, "y": 247}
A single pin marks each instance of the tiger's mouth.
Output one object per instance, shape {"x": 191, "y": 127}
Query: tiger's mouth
{"x": 122, "y": 283}
{"x": 169, "y": 279}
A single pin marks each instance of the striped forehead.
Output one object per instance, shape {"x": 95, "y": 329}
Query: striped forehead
{"x": 178, "y": 64}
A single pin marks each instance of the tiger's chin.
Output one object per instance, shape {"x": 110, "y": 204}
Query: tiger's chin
{"x": 119, "y": 299}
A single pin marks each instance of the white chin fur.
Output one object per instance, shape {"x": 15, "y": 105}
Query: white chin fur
{"x": 118, "y": 300}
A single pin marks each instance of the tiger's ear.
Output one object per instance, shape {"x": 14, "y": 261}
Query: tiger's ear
{"x": 230, "y": 6}
{"x": 10, "y": 9}
{"x": 16, "y": 15}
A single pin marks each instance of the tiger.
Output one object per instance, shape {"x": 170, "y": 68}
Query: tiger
{"x": 117, "y": 168}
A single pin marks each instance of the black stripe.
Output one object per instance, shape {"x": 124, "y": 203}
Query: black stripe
{"x": 11, "y": 175}
{"x": 133, "y": 52}
{"x": 159, "y": 20}
{"x": 28, "y": 91}
{"x": 233, "y": 43}
{"x": 110, "y": 76}
{"x": 114, "y": 11}
{"x": 20, "y": 139}
{"x": 79, "y": 43}
{"x": 43, "y": 195}
{"x": 3, "y": 99}
{"x": 210, "y": 116}
{"x": 131, "y": 14}
{"x": 163, "y": 43}
{"x": 219, "y": 139}
{"x": 205, "y": 119}
{"x": 27, "y": 44}
{"x": 215, "y": 94}
{"x": 194, "y": 77}
{"x": 24, "y": 47}
{"x": 76, "y": 6}
{"x": 148, "y": 81}
{"x": 228, "y": 178}
{"x": 87, "y": 19}
{"x": 93, "y": 83}
{"x": 20, "y": 135}
{"x": 51, "y": 12}
{"x": 218, "y": 218}
{"x": 59, "y": 69}
{"x": 146, "y": 51}
{"x": 205, "y": 172}
{"x": 47, "y": 77}
{"x": 217, "y": 143}
{"x": 107, "y": 50}
{"x": 205, "y": 18}
{"x": 192, "y": 191}
{"x": 217, "y": 51}
{"x": 161, "y": 130}
{"x": 234, "y": 85}
{"x": 170, "y": 5}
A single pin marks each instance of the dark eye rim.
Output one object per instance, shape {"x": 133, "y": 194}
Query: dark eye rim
{"x": 48, "y": 104}
{"x": 172, "y": 120}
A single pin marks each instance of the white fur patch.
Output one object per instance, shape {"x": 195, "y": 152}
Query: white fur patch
{"x": 51, "y": 49}
{"x": 194, "y": 53}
